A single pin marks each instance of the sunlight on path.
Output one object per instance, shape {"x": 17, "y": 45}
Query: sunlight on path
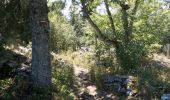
{"x": 162, "y": 59}
{"x": 88, "y": 90}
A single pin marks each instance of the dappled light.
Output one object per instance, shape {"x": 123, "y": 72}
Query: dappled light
{"x": 84, "y": 50}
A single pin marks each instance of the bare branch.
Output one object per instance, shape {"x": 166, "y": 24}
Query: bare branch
{"x": 110, "y": 16}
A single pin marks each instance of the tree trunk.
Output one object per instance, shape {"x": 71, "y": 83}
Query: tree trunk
{"x": 41, "y": 65}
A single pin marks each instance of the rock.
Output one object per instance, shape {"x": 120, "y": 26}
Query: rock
{"x": 111, "y": 79}
{"x": 86, "y": 83}
{"x": 11, "y": 64}
{"x": 7, "y": 69}
{"x": 92, "y": 90}
{"x": 61, "y": 61}
{"x": 165, "y": 97}
{"x": 122, "y": 84}
{"x": 85, "y": 96}
{"x": 23, "y": 49}
{"x": 3, "y": 62}
{"x": 28, "y": 62}
{"x": 19, "y": 58}
{"x": 110, "y": 96}
{"x": 100, "y": 94}
{"x": 24, "y": 69}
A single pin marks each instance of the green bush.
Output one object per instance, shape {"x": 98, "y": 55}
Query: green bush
{"x": 63, "y": 78}
{"x": 130, "y": 54}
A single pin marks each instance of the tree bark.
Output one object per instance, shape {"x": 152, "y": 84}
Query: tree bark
{"x": 39, "y": 27}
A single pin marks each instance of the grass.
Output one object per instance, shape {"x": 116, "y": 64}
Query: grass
{"x": 84, "y": 60}
{"x": 4, "y": 86}
{"x": 153, "y": 80}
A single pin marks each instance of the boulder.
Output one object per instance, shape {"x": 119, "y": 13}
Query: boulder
{"x": 7, "y": 69}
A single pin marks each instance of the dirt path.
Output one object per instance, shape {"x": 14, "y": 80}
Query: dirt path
{"x": 161, "y": 59}
{"x": 88, "y": 90}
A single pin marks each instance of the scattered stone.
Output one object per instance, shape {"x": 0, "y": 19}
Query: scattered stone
{"x": 61, "y": 61}
{"x": 86, "y": 83}
{"x": 10, "y": 68}
{"x": 92, "y": 90}
{"x": 122, "y": 84}
{"x": 100, "y": 94}
{"x": 85, "y": 96}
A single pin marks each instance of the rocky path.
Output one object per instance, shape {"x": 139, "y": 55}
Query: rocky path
{"x": 88, "y": 90}
{"x": 161, "y": 60}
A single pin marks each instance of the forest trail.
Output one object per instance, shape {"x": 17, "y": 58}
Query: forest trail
{"x": 87, "y": 89}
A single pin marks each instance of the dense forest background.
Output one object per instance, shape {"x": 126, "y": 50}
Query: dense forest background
{"x": 84, "y": 49}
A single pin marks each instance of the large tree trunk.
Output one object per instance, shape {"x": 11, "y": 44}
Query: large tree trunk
{"x": 41, "y": 67}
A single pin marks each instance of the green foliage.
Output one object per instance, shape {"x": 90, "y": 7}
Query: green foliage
{"x": 4, "y": 84}
{"x": 20, "y": 88}
{"x": 156, "y": 78}
{"x": 130, "y": 54}
{"x": 63, "y": 78}
{"x": 14, "y": 21}
{"x": 62, "y": 33}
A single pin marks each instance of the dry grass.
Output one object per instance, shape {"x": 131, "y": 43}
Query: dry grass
{"x": 75, "y": 58}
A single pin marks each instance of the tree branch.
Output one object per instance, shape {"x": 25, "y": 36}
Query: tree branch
{"x": 110, "y": 16}
{"x": 125, "y": 25}
{"x": 125, "y": 21}
{"x": 133, "y": 14}
{"x": 96, "y": 28}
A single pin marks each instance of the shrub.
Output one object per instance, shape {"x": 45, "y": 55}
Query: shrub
{"x": 130, "y": 54}
{"x": 63, "y": 78}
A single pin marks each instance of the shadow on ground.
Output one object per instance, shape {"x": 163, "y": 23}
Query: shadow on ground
{"x": 154, "y": 79}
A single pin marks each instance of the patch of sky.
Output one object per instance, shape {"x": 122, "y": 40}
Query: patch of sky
{"x": 100, "y": 9}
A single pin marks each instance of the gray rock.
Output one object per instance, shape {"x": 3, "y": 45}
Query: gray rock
{"x": 3, "y": 62}
{"x": 85, "y": 96}
{"x": 7, "y": 69}
{"x": 165, "y": 97}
